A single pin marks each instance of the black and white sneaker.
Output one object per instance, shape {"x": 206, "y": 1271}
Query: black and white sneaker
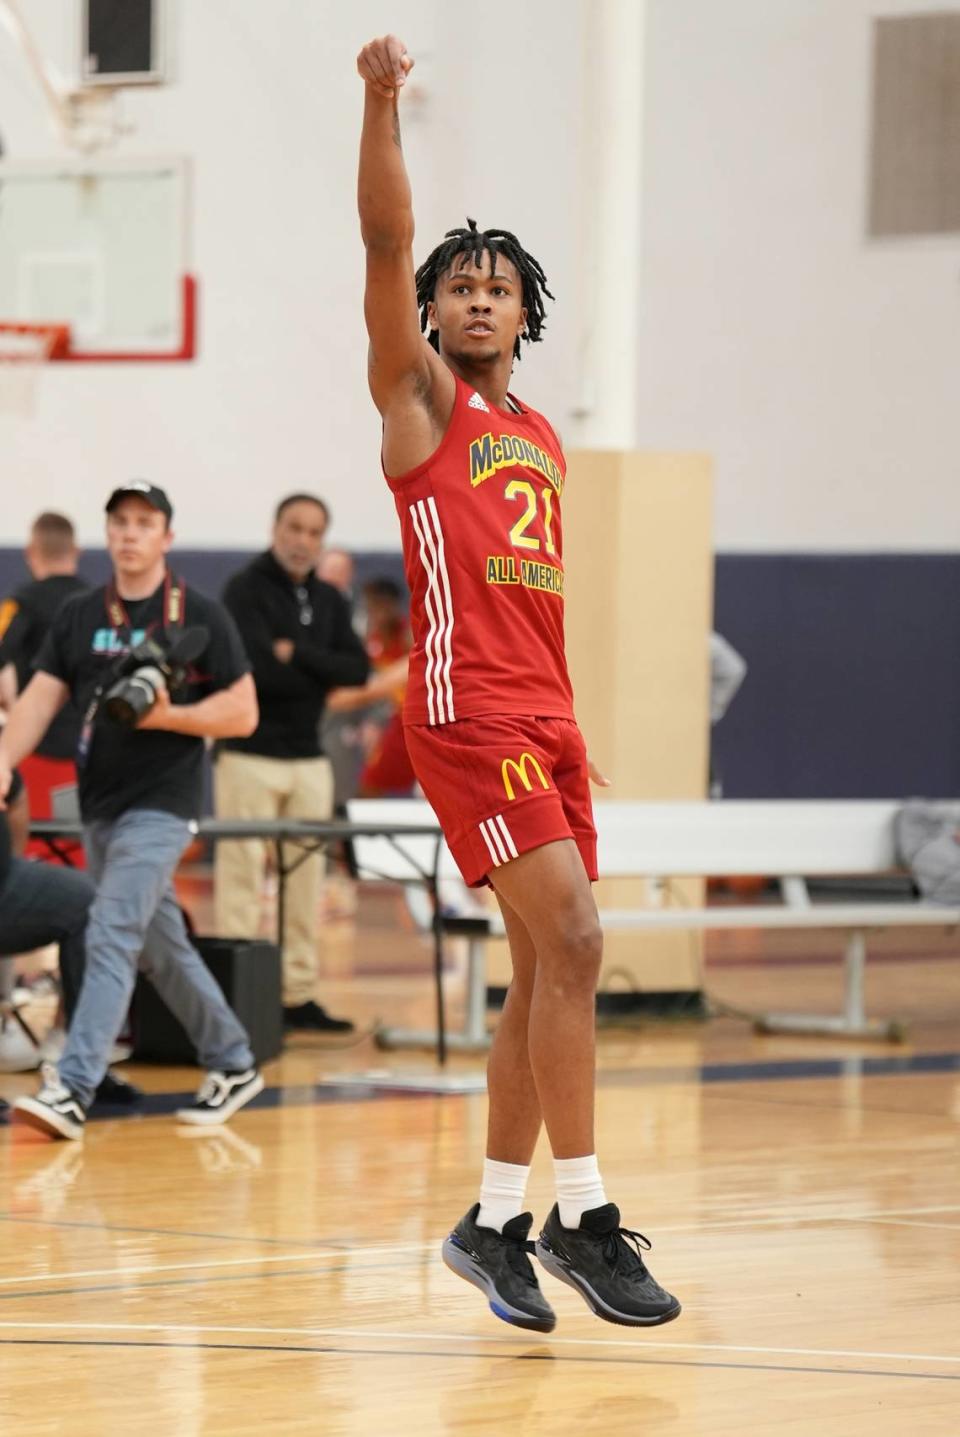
{"x": 498, "y": 1263}
{"x": 601, "y": 1260}
{"x": 54, "y": 1110}
{"x": 220, "y": 1096}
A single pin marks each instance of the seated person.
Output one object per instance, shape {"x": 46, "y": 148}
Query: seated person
{"x": 42, "y": 903}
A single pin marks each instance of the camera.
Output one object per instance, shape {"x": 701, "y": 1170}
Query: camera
{"x": 152, "y": 665}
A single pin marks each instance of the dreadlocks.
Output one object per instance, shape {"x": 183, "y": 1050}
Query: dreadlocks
{"x": 471, "y": 243}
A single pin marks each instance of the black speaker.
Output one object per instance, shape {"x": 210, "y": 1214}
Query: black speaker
{"x": 122, "y": 42}
{"x": 249, "y": 973}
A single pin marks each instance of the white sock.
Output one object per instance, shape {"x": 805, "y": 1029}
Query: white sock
{"x": 501, "y": 1193}
{"x": 579, "y": 1188}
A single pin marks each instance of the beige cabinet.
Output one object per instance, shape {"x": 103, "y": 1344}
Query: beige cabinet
{"x": 638, "y": 554}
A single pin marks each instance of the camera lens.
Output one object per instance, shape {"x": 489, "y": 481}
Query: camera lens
{"x": 130, "y": 699}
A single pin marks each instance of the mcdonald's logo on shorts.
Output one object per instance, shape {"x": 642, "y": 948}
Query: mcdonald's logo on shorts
{"x": 519, "y": 767}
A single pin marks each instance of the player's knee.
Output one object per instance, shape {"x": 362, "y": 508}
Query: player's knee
{"x": 579, "y": 953}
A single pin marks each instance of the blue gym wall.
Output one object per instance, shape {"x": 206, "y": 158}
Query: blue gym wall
{"x": 854, "y": 682}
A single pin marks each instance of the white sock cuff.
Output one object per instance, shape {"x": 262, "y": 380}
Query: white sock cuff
{"x": 579, "y": 1187}
{"x": 508, "y": 1173}
{"x": 587, "y": 1167}
{"x": 501, "y": 1192}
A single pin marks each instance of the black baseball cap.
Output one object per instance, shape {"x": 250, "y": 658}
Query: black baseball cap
{"x": 151, "y": 494}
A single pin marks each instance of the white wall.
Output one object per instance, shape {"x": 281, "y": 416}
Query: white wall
{"x": 821, "y": 369}
{"x": 267, "y": 102}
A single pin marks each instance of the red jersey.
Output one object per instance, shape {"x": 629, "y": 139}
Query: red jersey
{"x": 482, "y": 550}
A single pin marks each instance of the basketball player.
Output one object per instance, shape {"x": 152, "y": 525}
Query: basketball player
{"x": 477, "y": 477}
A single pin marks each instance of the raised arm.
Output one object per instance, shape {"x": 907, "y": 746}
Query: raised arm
{"x": 411, "y": 386}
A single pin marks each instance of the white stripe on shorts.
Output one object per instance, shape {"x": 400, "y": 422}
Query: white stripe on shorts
{"x": 511, "y": 846}
{"x": 489, "y": 842}
{"x": 494, "y": 833}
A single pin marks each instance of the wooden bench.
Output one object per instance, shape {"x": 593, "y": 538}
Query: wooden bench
{"x": 788, "y": 840}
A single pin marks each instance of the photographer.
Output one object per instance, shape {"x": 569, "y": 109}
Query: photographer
{"x": 139, "y": 787}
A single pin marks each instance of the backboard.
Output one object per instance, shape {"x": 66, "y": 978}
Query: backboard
{"x": 102, "y": 246}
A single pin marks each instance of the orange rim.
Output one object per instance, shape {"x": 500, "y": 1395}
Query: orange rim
{"x": 56, "y": 337}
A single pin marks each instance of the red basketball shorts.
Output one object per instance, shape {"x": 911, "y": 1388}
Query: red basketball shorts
{"x": 502, "y": 786}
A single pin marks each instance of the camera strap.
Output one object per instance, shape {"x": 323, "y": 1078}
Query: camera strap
{"x": 174, "y": 596}
{"x": 174, "y": 608}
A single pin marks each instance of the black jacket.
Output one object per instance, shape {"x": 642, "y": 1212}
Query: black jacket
{"x": 6, "y": 843}
{"x": 267, "y": 605}
{"x": 34, "y": 607}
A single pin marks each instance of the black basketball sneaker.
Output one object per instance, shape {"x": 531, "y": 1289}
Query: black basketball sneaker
{"x": 499, "y": 1264}
{"x": 602, "y": 1261}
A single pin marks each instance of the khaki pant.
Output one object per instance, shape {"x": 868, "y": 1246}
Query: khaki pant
{"x": 247, "y": 785}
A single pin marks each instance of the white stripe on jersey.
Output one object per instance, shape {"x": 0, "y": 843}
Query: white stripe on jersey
{"x": 445, "y": 579}
{"x": 433, "y": 617}
{"x": 488, "y": 842}
{"x": 439, "y": 606}
{"x": 511, "y": 846}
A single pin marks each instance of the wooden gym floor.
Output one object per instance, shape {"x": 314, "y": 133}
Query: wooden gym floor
{"x": 282, "y": 1275}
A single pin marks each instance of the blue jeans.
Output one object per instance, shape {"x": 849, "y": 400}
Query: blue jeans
{"x": 135, "y": 921}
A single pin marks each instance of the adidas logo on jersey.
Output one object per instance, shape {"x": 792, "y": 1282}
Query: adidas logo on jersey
{"x": 475, "y": 402}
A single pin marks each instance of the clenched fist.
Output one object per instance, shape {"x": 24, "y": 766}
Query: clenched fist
{"x": 384, "y": 64}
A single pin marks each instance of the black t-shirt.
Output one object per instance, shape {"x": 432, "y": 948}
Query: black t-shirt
{"x": 34, "y": 607}
{"x": 129, "y": 768}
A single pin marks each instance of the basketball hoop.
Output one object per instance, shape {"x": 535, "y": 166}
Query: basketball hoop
{"x": 24, "y": 349}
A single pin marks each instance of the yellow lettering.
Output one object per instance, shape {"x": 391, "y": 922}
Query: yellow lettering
{"x": 501, "y": 569}
{"x": 481, "y": 459}
{"x": 488, "y": 454}
{"x": 522, "y": 489}
{"x": 548, "y": 520}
